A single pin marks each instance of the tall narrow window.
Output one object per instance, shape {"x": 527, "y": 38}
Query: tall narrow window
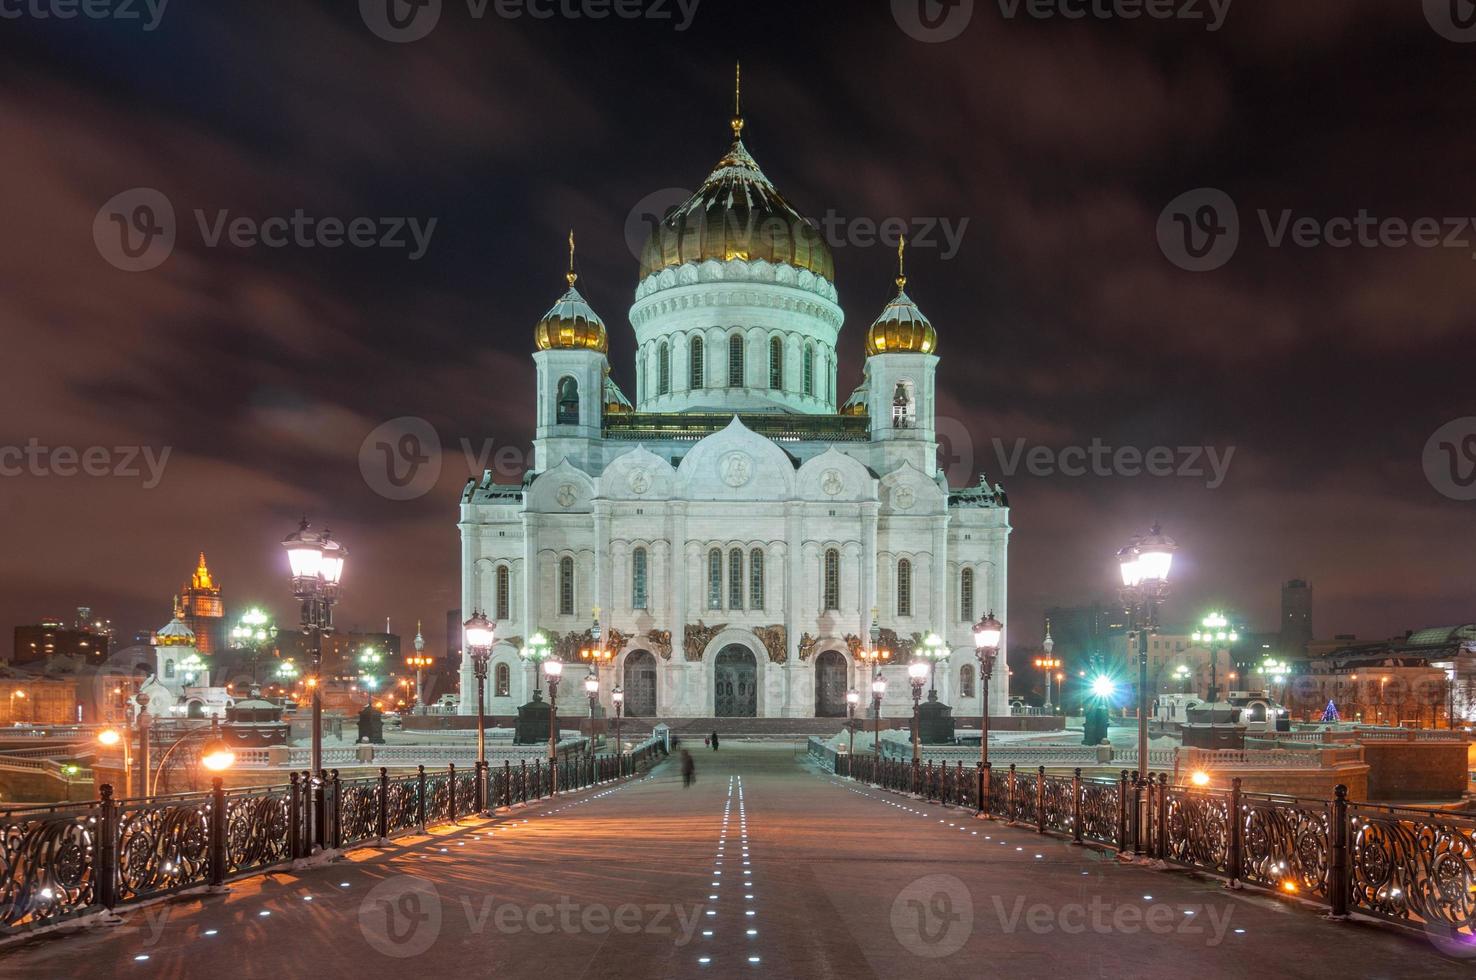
{"x": 776, "y": 363}
{"x": 966, "y": 681}
{"x": 663, "y": 369}
{"x": 568, "y": 412}
{"x": 566, "y": 586}
{"x": 966, "y": 595}
{"x": 904, "y": 588}
{"x": 735, "y": 579}
{"x": 809, "y": 369}
{"x": 502, "y": 681}
{"x": 638, "y": 579}
{"x": 735, "y": 361}
{"x": 756, "y": 579}
{"x": 695, "y": 371}
{"x": 503, "y": 603}
{"x": 715, "y": 579}
{"x": 831, "y": 588}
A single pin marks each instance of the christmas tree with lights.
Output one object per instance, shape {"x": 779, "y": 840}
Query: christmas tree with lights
{"x": 1330, "y": 713}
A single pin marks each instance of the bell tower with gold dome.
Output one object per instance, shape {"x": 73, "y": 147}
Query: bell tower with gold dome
{"x": 572, "y": 366}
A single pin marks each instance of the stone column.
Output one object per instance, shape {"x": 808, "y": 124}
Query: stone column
{"x": 794, "y": 593}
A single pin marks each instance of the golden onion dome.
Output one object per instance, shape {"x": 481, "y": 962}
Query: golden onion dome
{"x": 737, "y": 213}
{"x": 902, "y": 328}
{"x": 571, "y": 324}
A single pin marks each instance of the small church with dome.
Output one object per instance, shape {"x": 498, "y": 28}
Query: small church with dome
{"x": 729, "y": 535}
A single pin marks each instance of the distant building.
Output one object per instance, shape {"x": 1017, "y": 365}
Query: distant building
{"x": 202, "y": 610}
{"x": 1296, "y": 616}
{"x": 50, "y": 638}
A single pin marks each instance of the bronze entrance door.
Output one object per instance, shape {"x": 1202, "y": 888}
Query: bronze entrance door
{"x": 640, "y": 684}
{"x": 735, "y": 682}
{"x": 830, "y": 685}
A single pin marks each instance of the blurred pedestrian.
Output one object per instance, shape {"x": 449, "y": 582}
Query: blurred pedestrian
{"x": 689, "y": 769}
{"x": 714, "y": 740}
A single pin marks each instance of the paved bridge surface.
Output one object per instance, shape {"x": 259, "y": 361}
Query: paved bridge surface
{"x": 764, "y": 868}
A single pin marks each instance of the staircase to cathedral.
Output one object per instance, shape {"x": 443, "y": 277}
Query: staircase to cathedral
{"x": 775, "y": 728}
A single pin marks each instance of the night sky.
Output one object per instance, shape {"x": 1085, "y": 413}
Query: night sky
{"x": 1054, "y": 144}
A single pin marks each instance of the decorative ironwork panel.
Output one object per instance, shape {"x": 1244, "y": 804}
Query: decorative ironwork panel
{"x": 999, "y": 790}
{"x": 466, "y": 793}
{"x": 1100, "y": 802}
{"x": 437, "y": 798}
{"x": 48, "y": 864}
{"x": 1058, "y": 804}
{"x": 358, "y": 810}
{"x": 163, "y": 845}
{"x": 1197, "y": 830}
{"x": 1286, "y": 844}
{"x": 1415, "y": 866}
{"x": 257, "y": 824}
{"x": 1025, "y": 808}
{"x": 403, "y": 803}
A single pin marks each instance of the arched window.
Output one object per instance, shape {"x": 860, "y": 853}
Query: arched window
{"x": 568, "y": 413}
{"x": 735, "y": 361}
{"x": 776, "y": 363}
{"x": 503, "y": 603}
{"x": 715, "y": 579}
{"x": 566, "y": 586}
{"x": 902, "y": 414}
{"x": 663, "y": 369}
{"x": 809, "y": 370}
{"x": 966, "y": 681}
{"x": 695, "y": 373}
{"x": 831, "y": 590}
{"x": 502, "y": 681}
{"x": 966, "y": 595}
{"x": 904, "y": 588}
{"x": 756, "y": 579}
{"x": 638, "y": 579}
{"x": 168, "y": 669}
{"x": 735, "y": 578}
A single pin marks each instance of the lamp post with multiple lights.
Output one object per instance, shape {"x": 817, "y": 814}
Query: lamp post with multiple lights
{"x": 419, "y": 660}
{"x": 536, "y": 653}
{"x": 317, "y": 564}
{"x": 592, "y": 690}
{"x": 1215, "y": 632}
{"x": 917, "y": 674}
{"x": 988, "y": 634}
{"x": 617, "y": 698}
{"x": 554, "y": 669}
{"x": 480, "y": 634}
{"x": 1144, "y": 563}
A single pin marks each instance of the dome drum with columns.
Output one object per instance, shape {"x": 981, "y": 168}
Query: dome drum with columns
{"x": 737, "y": 521}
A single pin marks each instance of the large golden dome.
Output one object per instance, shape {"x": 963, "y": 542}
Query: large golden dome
{"x": 737, "y": 214}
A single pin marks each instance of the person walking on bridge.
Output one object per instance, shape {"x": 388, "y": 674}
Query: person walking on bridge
{"x": 714, "y": 740}
{"x": 689, "y": 769}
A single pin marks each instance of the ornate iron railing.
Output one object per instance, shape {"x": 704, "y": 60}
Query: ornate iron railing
{"x": 1405, "y": 865}
{"x": 58, "y": 862}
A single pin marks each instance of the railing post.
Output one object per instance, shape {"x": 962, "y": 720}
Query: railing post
{"x": 1339, "y": 884}
{"x": 507, "y": 782}
{"x": 336, "y": 810}
{"x": 107, "y": 853}
{"x": 523, "y": 779}
{"x": 958, "y": 784}
{"x": 294, "y": 816}
{"x": 383, "y": 803}
{"x": 1076, "y": 805}
{"x": 1161, "y": 850}
{"x": 481, "y": 788}
{"x": 451, "y": 792}
{"x": 1137, "y": 814}
{"x": 420, "y": 797}
{"x": 1040, "y": 814}
{"x": 1012, "y": 811}
{"x": 320, "y": 809}
{"x": 217, "y": 833}
{"x": 1236, "y": 859}
{"x": 538, "y": 778}
{"x": 1122, "y": 819}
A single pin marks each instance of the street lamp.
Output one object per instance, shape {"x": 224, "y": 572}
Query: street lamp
{"x": 617, "y": 698}
{"x": 554, "y": 669}
{"x": 316, "y": 562}
{"x": 878, "y": 692}
{"x": 1181, "y": 674}
{"x": 853, "y": 698}
{"x": 592, "y": 690}
{"x": 1215, "y": 632}
{"x": 1144, "y": 564}
{"x": 917, "y": 675}
{"x": 420, "y": 660}
{"x": 1049, "y": 665}
{"x": 111, "y": 737}
{"x": 596, "y": 653}
{"x": 933, "y": 650}
{"x": 480, "y": 633}
{"x": 536, "y": 653}
{"x": 988, "y": 634}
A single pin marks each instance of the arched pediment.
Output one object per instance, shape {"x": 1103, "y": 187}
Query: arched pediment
{"x": 736, "y": 463}
{"x": 564, "y": 489}
{"x": 834, "y": 477}
{"x": 638, "y": 475}
{"x": 908, "y": 492}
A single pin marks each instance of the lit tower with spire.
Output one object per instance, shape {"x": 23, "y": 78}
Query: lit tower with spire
{"x": 202, "y": 609}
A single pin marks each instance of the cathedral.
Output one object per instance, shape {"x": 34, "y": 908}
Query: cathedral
{"x": 728, "y": 538}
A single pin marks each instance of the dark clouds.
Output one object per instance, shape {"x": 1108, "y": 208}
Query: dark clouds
{"x": 1060, "y": 320}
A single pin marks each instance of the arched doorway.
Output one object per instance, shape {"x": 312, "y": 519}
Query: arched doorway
{"x": 640, "y": 684}
{"x": 830, "y": 685}
{"x": 735, "y": 683}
